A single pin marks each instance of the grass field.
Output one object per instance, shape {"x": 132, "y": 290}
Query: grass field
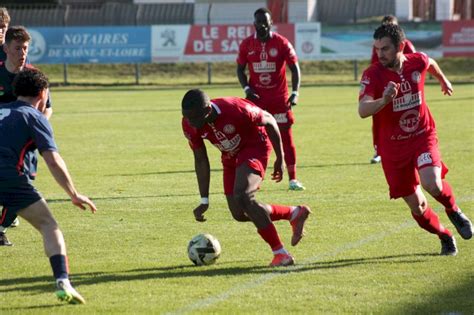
{"x": 363, "y": 253}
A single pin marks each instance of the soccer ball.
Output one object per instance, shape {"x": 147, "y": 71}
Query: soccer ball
{"x": 204, "y": 249}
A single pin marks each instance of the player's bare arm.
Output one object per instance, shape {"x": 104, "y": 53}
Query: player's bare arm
{"x": 250, "y": 94}
{"x": 274, "y": 134}
{"x": 58, "y": 169}
{"x": 368, "y": 106}
{"x": 295, "y": 84}
{"x": 436, "y": 71}
{"x": 203, "y": 174}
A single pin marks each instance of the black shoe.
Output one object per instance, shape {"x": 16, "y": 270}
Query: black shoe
{"x": 4, "y": 240}
{"x": 462, "y": 224}
{"x": 448, "y": 246}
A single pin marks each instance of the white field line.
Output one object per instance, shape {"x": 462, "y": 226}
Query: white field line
{"x": 243, "y": 287}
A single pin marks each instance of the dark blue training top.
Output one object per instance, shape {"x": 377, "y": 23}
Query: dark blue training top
{"x": 22, "y": 130}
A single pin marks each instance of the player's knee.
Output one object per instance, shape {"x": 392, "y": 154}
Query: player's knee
{"x": 48, "y": 223}
{"x": 239, "y": 216}
{"x": 433, "y": 188}
{"x": 420, "y": 208}
{"x": 243, "y": 199}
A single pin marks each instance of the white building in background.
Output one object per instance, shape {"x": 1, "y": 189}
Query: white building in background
{"x": 240, "y": 11}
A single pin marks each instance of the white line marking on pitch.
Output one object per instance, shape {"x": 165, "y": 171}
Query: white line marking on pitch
{"x": 199, "y": 305}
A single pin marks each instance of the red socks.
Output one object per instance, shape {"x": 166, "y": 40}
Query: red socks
{"x": 446, "y": 198}
{"x": 280, "y": 213}
{"x": 270, "y": 235}
{"x": 290, "y": 151}
{"x": 430, "y": 222}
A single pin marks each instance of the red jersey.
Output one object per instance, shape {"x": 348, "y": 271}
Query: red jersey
{"x": 267, "y": 67}
{"x": 237, "y": 126}
{"x": 399, "y": 123}
{"x": 408, "y": 49}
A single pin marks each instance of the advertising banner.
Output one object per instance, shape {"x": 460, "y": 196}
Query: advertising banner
{"x": 73, "y": 45}
{"x": 212, "y": 43}
{"x": 458, "y": 38}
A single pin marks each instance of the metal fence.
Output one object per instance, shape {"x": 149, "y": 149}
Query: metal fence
{"x": 101, "y": 14}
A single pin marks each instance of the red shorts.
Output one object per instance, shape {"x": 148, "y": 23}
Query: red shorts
{"x": 281, "y": 111}
{"x": 256, "y": 158}
{"x": 401, "y": 172}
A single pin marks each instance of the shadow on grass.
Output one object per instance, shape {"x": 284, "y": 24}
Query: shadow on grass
{"x": 60, "y": 200}
{"x": 456, "y": 300}
{"x": 220, "y": 170}
{"x": 43, "y": 283}
{"x": 118, "y": 111}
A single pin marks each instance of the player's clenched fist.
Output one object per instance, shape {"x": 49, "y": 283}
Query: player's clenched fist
{"x": 390, "y": 91}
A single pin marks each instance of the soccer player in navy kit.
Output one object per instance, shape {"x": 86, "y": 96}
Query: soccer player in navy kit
{"x": 15, "y": 44}
{"x": 24, "y": 128}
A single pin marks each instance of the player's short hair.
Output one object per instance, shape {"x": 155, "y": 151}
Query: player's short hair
{"x": 194, "y": 99}
{"x": 4, "y": 16}
{"x": 393, "y": 31}
{"x": 29, "y": 82}
{"x": 262, "y": 11}
{"x": 18, "y": 33}
{"x": 389, "y": 19}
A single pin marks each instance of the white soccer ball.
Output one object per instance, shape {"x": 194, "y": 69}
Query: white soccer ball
{"x": 204, "y": 249}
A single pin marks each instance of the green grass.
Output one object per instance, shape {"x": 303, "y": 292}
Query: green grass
{"x": 314, "y": 72}
{"x": 363, "y": 253}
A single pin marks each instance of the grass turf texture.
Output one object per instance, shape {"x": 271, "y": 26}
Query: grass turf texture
{"x": 362, "y": 253}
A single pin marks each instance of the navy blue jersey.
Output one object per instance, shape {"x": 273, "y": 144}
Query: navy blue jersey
{"x": 23, "y": 129}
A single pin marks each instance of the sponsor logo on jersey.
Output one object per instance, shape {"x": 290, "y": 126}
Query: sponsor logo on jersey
{"x": 264, "y": 66}
{"x": 410, "y": 120}
{"x": 406, "y": 101}
{"x": 424, "y": 158}
{"x": 281, "y": 118}
{"x": 265, "y": 78}
{"x": 229, "y": 145}
{"x": 416, "y": 77}
{"x": 405, "y": 87}
{"x": 229, "y": 128}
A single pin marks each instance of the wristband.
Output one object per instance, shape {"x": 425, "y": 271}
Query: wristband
{"x": 204, "y": 200}
{"x": 246, "y": 88}
{"x": 295, "y": 93}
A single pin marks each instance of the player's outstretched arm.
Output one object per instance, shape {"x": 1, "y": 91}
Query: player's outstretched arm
{"x": 203, "y": 174}
{"x": 275, "y": 137}
{"x": 368, "y": 106}
{"x": 58, "y": 169}
{"x": 436, "y": 71}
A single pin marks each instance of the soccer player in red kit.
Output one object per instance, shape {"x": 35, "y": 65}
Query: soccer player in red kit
{"x": 244, "y": 134}
{"x": 409, "y": 48}
{"x": 392, "y": 91}
{"x": 267, "y": 54}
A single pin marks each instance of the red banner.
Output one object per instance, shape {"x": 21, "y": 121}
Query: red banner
{"x": 225, "y": 39}
{"x": 458, "y": 38}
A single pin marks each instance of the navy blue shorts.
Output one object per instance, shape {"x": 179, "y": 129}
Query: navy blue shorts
{"x": 13, "y": 198}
